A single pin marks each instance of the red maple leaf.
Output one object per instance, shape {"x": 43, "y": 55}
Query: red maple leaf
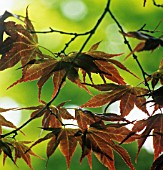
{"x": 128, "y": 96}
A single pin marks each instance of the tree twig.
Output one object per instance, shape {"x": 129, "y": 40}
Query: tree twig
{"x": 158, "y": 5}
{"x": 129, "y": 47}
{"x": 60, "y": 32}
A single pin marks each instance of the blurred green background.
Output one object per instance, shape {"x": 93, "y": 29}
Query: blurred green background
{"x": 77, "y": 16}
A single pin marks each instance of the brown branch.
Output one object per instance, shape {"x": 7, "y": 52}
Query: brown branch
{"x": 67, "y": 45}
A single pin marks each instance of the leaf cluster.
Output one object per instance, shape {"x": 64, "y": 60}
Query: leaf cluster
{"x": 98, "y": 133}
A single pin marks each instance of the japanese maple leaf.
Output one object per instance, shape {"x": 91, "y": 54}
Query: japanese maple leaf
{"x": 157, "y": 98}
{"x": 2, "y": 25}
{"x": 4, "y": 122}
{"x": 128, "y": 96}
{"x": 21, "y": 152}
{"x": 64, "y": 138}
{"x": 68, "y": 67}
{"x": 151, "y": 126}
{"x": 41, "y": 70}
{"x": 100, "y": 63}
{"x": 149, "y": 42}
{"x": 101, "y": 143}
{"x": 20, "y": 45}
{"x": 52, "y": 116}
{"x": 87, "y": 121}
{"x": 85, "y": 118}
{"x": 8, "y": 145}
{"x": 5, "y": 146}
{"x": 67, "y": 144}
{"x": 156, "y": 76}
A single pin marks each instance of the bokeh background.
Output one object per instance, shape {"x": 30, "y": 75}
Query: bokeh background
{"x": 78, "y": 16}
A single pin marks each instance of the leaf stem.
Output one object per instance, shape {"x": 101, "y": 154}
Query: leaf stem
{"x": 47, "y": 49}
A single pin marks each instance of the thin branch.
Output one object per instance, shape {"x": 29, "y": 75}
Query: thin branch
{"x": 67, "y": 45}
{"x": 75, "y": 35}
{"x": 129, "y": 46}
{"x": 158, "y": 5}
{"x": 24, "y": 124}
{"x": 144, "y": 3}
{"x": 151, "y": 31}
{"x": 60, "y": 32}
{"x": 154, "y": 3}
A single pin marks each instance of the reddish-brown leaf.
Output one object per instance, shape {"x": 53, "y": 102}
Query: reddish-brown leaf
{"x": 127, "y": 104}
{"x": 100, "y": 63}
{"x": 65, "y": 114}
{"x": 121, "y": 66}
{"x": 85, "y": 118}
{"x": 105, "y": 87}
{"x": 149, "y": 42}
{"x": 158, "y": 136}
{"x": 5, "y": 110}
{"x": 46, "y": 137}
{"x": 108, "y": 97}
{"x": 51, "y": 121}
{"x": 138, "y": 48}
{"x": 22, "y": 45}
{"x": 6, "y": 147}
{"x": 4, "y": 122}
{"x": 52, "y": 146}
{"x": 94, "y": 46}
{"x": 37, "y": 71}
{"x": 57, "y": 79}
{"x": 68, "y": 144}
{"x": 110, "y": 71}
{"x": 127, "y": 95}
{"x": 103, "y": 146}
{"x": 3, "y": 17}
{"x": 154, "y": 123}
{"x": 52, "y": 116}
{"x": 86, "y": 152}
{"x": 100, "y": 55}
{"x": 140, "y": 100}
{"x": 21, "y": 152}
{"x": 105, "y": 160}
{"x": 118, "y": 134}
{"x": 156, "y": 76}
{"x": 157, "y": 96}
{"x": 10, "y": 55}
